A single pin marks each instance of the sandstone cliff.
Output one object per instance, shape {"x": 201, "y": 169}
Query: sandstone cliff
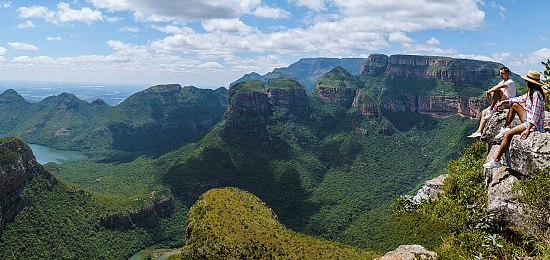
{"x": 17, "y": 166}
{"x": 437, "y": 106}
{"x": 143, "y": 218}
{"x": 251, "y": 102}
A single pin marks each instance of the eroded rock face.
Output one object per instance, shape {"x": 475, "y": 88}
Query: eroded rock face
{"x": 340, "y": 96}
{"x": 144, "y": 218}
{"x": 366, "y": 105}
{"x": 17, "y": 166}
{"x": 431, "y": 67}
{"x": 431, "y": 188}
{"x": 375, "y": 65}
{"x": 248, "y": 110}
{"x": 438, "y": 106}
{"x": 409, "y": 252}
{"x": 293, "y": 99}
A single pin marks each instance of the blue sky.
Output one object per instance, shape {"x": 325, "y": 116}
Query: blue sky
{"x": 211, "y": 43}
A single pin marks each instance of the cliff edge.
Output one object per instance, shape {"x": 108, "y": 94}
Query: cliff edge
{"x": 17, "y": 166}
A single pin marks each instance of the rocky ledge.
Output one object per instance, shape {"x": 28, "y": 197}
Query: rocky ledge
{"x": 17, "y": 166}
{"x": 523, "y": 158}
{"x": 145, "y": 218}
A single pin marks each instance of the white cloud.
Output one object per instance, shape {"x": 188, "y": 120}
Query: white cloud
{"x": 22, "y": 46}
{"x": 315, "y": 5}
{"x": 26, "y": 24}
{"x": 49, "y": 38}
{"x": 113, "y": 19}
{"x": 171, "y": 29}
{"x": 400, "y": 37}
{"x": 2, "y": 53}
{"x": 128, "y": 29}
{"x": 271, "y": 12}
{"x": 226, "y": 25}
{"x": 5, "y": 4}
{"x": 63, "y": 15}
{"x": 209, "y": 65}
{"x": 433, "y": 41}
{"x": 177, "y": 9}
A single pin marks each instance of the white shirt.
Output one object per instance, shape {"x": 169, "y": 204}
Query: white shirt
{"x": 511, "y": 87}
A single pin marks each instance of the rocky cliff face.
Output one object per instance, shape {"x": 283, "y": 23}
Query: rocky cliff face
{"x": 443, "y": 68}
{"x": 366, "y": 105}
{"x": 340, "y": 96}
{"x": 251, "y": 103}
{"x": 295, "y": 100}
{"x": 144, "y": 218}
{"x": 522, "y": 158}
{"x": 375, "y": 65}
{"x": 17, "y": 166}
{"x": 438, "y": 106}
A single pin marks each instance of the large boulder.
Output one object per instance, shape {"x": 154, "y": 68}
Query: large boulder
{"x": 408, "y": 252}
{"x": 431, "y": 188}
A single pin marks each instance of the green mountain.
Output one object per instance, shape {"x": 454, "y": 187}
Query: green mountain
{"x": 233, "y": 224}
{"x": 328, "y": 164}
{"x": 158, "y": 117}
{"x": 306, "y": 71}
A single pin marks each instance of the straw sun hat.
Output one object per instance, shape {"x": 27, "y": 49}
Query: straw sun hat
{"x": 533, "y": 76}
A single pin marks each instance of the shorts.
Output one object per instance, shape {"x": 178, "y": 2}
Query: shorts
{"x": 505, "y": 96}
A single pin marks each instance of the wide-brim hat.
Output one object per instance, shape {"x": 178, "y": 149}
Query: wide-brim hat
{"x": 533, "y": 76}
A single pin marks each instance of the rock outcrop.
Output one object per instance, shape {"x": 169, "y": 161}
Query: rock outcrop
{"x": 431, "y": 188}
{"x": 375, "y": 65}
{"x": 443, "y": 68}
{"x": 144, "y": 218}
{"x": 365, "y": 104}
{"x": 438, "y": 106}
{"x": 251, "y": 103}
{"x": 17, "y": 166}
{"x": 409, "y": 252}
{"x": 523, "y": 158}
{"x": 337, "y": 87}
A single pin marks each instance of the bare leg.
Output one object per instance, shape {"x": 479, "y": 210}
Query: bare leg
{"x": 515, "y": 109}
{"x": 497, "y": 95}
{"x": 482, "y": 122}
{"x": 506, "y": 140}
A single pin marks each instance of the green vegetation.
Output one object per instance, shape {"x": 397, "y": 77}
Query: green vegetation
{"x": 160, "y": 117}
{"x": 249, "y": 86}
{"x": 339, "y": 78}
{"x": 7, "y": 155}
{"x": 284, "y": 83}
{"x": 233, "y": 224}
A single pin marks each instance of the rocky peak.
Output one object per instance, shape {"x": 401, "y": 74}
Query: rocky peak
{"x": 366, "y": 104}
{"x": 17, "y": 166}
{"x": 288, "y": 93}
{"x": 251, "y": 102}
{"x": 337, "y": 86}
{"x": 375, "y": 65}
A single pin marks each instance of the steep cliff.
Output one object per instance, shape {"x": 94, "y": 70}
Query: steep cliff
{"x": 144, "y": 218}
{"x": 338, "y": 87}
{"x": 250, "y": 102}
{"x": 366, "y": 104}
{"x": 17, "y": 166}
{"x": 438, "y": 106}
{"x": 443, "y": 68}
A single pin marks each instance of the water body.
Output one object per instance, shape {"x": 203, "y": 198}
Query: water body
{"x": 45, "y": 154}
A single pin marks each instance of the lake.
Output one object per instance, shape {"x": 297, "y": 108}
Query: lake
{"x": 45, "y": 154}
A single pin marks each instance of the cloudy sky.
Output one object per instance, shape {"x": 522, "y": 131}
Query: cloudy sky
{"x": 213, "y": 42}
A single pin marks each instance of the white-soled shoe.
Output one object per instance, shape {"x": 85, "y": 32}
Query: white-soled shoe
{"x": 488, "y": 114}
{"x": 492, "y": 164}
{"x": 502, "y": 132}
{"x": 474, "y": 136}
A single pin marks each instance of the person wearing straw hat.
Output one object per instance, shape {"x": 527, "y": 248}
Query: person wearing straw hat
{"x": 532, "y": 118}
{"x": 504, "y": 90}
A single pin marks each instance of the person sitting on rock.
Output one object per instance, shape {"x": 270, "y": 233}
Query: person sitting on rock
{"x": 532, "y": 118}
{"x": 505, "y": 90}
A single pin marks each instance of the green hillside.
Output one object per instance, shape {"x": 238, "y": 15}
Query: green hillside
{"x": 233, "y": 224}
{"x": 156, "y": 118}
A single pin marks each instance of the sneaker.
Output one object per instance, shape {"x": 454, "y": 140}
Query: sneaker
{"x": 502, "y": 132}
{"x": 492, "y": 164}
{"x": 474, "y": 136}
{"x": 489, "y": 114}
